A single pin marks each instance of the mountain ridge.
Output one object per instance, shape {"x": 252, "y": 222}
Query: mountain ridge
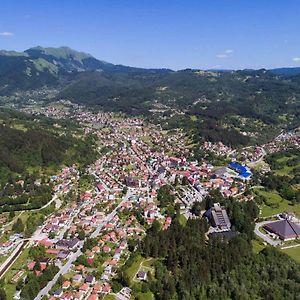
{"x": 217, "y": 101}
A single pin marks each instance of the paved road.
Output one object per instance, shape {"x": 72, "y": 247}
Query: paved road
{"x": 62, "y": 271}
{"x": 75, "y": 255}
{"x": 265, "y": 237}
{"x": 254, "y": 163}
{"x": 12, "y": 258}
{"x": 111, "y": 215}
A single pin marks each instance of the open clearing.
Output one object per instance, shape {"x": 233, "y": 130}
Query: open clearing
{"x": 293, "y": 253}
{"x": 276, "y": 204}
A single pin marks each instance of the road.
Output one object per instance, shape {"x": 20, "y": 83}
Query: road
{"x": 75, "y": 255}
{"x": 111, "y": 215}
{"x": 54, "y": 198}
{"x": 265, "y": 237}
{"x": 254, "y": 163}
{"x": 12, "y": 258}
{"x": 62, "y": 271}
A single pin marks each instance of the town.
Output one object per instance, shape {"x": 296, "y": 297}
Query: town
{"x": 102, "y": 213}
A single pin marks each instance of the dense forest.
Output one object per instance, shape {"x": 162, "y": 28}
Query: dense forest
{"x": 190, "y": 267}
{"x": 27, "y": 145}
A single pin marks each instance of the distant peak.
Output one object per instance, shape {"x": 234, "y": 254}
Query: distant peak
{"x": 60, "y": 52}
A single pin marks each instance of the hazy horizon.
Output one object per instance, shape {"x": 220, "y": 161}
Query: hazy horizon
{"x": 165, "y": 34}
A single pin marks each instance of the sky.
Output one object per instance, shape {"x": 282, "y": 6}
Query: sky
{"x": 176, "y": 34}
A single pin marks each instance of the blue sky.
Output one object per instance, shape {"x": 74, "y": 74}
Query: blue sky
{"x": 175, "y": 34}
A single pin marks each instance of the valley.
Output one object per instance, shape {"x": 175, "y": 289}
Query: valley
{"x": 138, "y": 184}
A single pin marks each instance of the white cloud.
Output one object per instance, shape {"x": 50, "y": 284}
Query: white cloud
{"x": 226, "y": 53}
{"x": 6, "y": 34}
{"x": 222, "y": 55}
{"x": 297, "y": 59}
{"x": 216, "y": 67}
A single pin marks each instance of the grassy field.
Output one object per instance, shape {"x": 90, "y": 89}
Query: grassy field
{"x": 182, "y": 220}
{"x": 293, "y": 253}
{"x": 3, "y": 258}
{"x": 144, "y": 296}
{"x": 148, "y": 263}
{"x": 276, "y": 204}
{"x": 286, "y": 170}
{"x": 132, "y": 270}
{"x": 20, "y": 263}
{"x": 109, "y": 297}
{"x": 257, "y": 246}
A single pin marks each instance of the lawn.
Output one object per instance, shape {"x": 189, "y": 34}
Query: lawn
{"x": 148, "y": 263}
{"x": 182, "y": 220}
{"x": 109, "y": 297}
{"x": 276, "y": 204}
{"x": 257, "y": 246}
{"x": 132, "y": 270}
{"x": 145, "y": 296}
{"x": 20, "y": 263}
{"x": 293, "y": 253}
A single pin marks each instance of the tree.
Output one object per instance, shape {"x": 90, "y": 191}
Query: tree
{"x": 185, "y": 181}
{"x": 11, "y": 214}
{"x": 124, "y": 190}
{"x": 2, "y": 294}
{"x": 52, "y": 235}
{"x": 116, "y": 286}
{"x": 38, "y": 252}
{"x": 18, "y": 226}
{"x": 196, "y": 208}
{"x": 81, "y": 234}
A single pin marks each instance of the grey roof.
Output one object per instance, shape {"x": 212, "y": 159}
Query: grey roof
{"x": 89, "y": 278}
{"x": 284, "y": 228}
{"x": 141, "y": 274}
{"x": 221, "y": 171}
{"x": 218, "y": 216}
{"x": 67, "y": 243}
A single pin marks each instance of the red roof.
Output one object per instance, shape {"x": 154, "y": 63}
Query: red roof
{"x": 93, "y": 297}
{"x": 84, "y": 287}
{"x": 31, "y": 265}
{"x": 46, "y": 242}
{"x": 90, "y": 261}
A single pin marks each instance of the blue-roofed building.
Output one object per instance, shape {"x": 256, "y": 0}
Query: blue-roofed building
{"x": 243, "y": 171}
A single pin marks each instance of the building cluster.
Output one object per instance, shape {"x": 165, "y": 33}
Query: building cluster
{"x": 93, "y": 234}
{"x": 284, "y": 141}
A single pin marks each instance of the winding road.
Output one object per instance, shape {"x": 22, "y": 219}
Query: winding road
{"x": 265, "y": 237}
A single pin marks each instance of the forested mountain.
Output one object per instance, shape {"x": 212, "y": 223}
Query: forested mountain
{"x": 286, "y": 71}
{"x": 55, "y": 67}
{"x": 215, "y": 104}
{"x": 30, "y": 144}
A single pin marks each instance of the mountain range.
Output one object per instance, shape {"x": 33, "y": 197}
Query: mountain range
{"x": 215, "y": 100}
{"x": 40, "y": 66}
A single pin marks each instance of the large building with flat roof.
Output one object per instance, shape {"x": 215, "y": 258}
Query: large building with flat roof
{"x": 243, "y": 171}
